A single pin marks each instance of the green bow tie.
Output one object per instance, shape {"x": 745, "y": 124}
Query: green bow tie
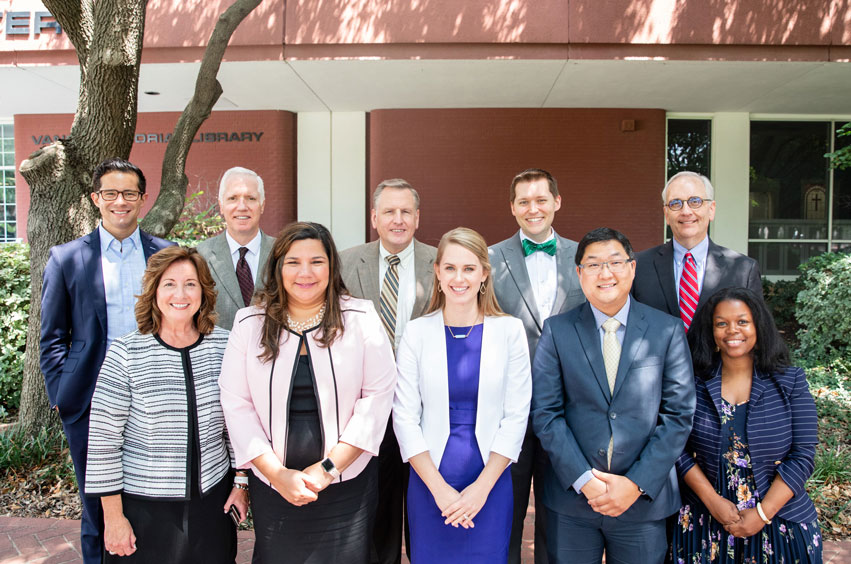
{"x": 530, "y": 247}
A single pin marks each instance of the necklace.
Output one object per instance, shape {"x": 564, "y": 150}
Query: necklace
{"x": 454, "y": 336}
{"x": 310, "y": 323}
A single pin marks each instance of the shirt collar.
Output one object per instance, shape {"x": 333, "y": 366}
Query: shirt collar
{"x": 698, "y": 252}
{"x": 403, "y": 255}
{"x": 106, "y": 239}
{"x": 253, "y": 246}
{"x": 621, "y": 315}
{"x": 552, "y": 236}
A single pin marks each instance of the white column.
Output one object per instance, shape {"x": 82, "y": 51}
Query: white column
{"x": 348, "y": 178}
{"x": 731, "y": 179}
{"x": 314, "y": 167}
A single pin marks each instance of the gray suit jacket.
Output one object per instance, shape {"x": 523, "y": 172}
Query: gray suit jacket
{"x": 655, "y": 286}
{"x": 360, "y": 273}
{"x": 217, "y": 254}
{"x": 514, "y": 290}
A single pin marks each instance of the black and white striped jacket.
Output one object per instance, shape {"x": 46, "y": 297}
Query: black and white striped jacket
{"x": 139, "y": 423}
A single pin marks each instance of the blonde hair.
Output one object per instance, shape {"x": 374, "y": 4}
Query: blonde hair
{"x": 475, "y": 243}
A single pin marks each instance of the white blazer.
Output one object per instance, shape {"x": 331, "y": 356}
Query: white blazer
{"x": 421, "y": 404}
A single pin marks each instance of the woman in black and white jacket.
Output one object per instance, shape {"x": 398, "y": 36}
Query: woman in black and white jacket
{"x": 158, "y": 456}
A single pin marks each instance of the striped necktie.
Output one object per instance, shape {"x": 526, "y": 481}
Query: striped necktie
{"x": 390, "y": 297}
{"x": 611, "y": 359}
{"x": 689, "y": 294}
{"x": 243, "y": 276}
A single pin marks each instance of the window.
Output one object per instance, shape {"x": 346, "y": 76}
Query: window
{"x": 689, "y": 141}
{"x": 8, "y": 212}
{"x": 799, "y": 208}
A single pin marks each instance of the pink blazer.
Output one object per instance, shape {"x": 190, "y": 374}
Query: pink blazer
{"x": 355, "y": 379}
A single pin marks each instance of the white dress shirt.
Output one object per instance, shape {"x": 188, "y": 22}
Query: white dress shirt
{"x": 543, "y": 275}
{"x": 407, "y": 284}
{"x": 252, "y": 257}
{"x": 699, "y": 253}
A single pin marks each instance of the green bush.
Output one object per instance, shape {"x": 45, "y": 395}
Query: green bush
{"x": 781, "y": 298}
{"x": 46, "y": 454}
{"x": 14, "y": 312}
{"x": 198, "y": 221}
{"x": 824, "y": 309}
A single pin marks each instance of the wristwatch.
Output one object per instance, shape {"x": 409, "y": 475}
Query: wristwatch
{"x": 330, "y": 468}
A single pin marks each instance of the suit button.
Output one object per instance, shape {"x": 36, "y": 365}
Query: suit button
{"x": 613, "y": 415}
{"x": 602, "y": 452}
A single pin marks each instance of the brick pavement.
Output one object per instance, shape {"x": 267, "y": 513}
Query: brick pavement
{"x": 55, "y": 541}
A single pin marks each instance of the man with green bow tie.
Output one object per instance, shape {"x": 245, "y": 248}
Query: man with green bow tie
{"x": 534, "y": 278}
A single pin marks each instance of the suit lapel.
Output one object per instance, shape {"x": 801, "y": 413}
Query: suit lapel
{"x": 713, "y": 270}
{"x": 90, "y": 257}
{"x": 222, "y": 263}
{"x": 757, "y": 388}
{"x": 148, "y": 247}
{"x": 633, "y": 343}
{"x": 713, "y": 388}
{"x": 564, "y": 281}
{"x": 266, "y": 244}
{"x": 589, "y": 336}
{"x": 664, "y": 264}
{"x": 368, "y": 273}
{"x": 515, "y": 262}
{"x": 424, "y": 276}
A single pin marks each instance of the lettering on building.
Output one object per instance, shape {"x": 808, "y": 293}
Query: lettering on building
{"x": 28, "y": 23}
{"x": 205, "y": 137}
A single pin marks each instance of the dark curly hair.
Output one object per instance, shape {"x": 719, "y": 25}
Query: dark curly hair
{"x": 273, "y": 297}
{"x": 148, "y": 314}
{"x": 769, "y": 354}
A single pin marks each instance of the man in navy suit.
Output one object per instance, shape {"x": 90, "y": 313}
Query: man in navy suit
{"x": 88, "y": 300}
{"x": 612, "y": 403}
{"x": 681, "y": 275}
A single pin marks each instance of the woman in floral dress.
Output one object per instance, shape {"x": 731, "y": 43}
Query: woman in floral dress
{"x": 752, "y": 444}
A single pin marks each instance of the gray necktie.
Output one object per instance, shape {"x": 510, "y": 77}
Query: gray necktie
{"x": 611, "y": 358}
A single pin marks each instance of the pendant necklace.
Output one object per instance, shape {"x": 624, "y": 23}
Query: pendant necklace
{"x": 454, "y": 336}
{"x": 302, "y": 326}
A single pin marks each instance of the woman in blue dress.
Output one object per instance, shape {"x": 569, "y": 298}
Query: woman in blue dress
{"x": 460, "y": 411}
{"x": 752, "y": 444}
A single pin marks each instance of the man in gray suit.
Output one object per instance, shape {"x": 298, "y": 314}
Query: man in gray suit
{"x": 689, "y": 203}
{"x": 396, "y": 273}
{"x": 238, "y": 256}
{"x": 534, "y": 278}
{"x": 612, "y": 402}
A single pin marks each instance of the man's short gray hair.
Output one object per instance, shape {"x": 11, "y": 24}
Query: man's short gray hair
{"x": 240, "y": 171}
{"x": 399, "y": 184}
{"x": 710, "y": 191}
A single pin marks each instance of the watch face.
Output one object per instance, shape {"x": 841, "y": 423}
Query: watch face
{"x": 328, "y": 465}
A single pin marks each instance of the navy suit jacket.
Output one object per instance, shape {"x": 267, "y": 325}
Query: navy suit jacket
{"x": 782, "y": 433}
{"x": 73, "y": 321}
{"x": 649, "y": 415}
{"x": 655, "y": 285}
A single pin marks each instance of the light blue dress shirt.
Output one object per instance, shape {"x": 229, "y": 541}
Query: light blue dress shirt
{"x": 123, "y": 264}
{"x": 699, "y": 253}
{"x": 599, "y": 319}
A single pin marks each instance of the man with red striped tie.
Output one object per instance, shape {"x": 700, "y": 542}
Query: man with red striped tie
{"x": 679, "y": 276}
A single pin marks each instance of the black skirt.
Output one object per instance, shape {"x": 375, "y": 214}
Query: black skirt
{"x": 181, "y": 532}
{"x": 335, "y": 528}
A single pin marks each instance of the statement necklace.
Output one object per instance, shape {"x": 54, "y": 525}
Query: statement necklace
{"x": 454, "y": 336}
{"x": 310, "y": 323}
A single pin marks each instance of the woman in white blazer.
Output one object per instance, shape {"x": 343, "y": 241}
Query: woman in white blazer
{"x": 460, "y": 410}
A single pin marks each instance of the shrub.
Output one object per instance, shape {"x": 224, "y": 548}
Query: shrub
{"x": 781, "y": 298}
{"x": 14, "y": 311}
{"x": 823, "y": 309}
{"x": 198, "y": 221}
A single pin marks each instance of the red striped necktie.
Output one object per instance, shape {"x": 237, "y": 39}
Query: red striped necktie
{"x": 689, "y": 294}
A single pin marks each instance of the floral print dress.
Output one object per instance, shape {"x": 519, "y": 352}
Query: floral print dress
{"x": 698, "y": 538}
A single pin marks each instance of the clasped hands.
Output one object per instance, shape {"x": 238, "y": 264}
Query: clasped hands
{"x": 300, "y": 487}
{"x": 739, "y": 523}
{"x": 610, "y": 494}
{"x": 460, "y": 508}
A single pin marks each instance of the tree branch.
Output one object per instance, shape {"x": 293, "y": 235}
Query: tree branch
{"x": 76, "y": 19}
{"x": 166, "y": 211}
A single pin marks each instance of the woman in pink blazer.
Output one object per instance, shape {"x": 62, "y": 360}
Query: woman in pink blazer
{"x": 306, "y": 387}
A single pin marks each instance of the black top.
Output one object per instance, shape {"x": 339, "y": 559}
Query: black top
{"x": 304, "y": 433}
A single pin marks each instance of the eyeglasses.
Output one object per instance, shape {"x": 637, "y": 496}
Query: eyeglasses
{"x": 694, "y": 203}
{"x": 615, "y": 266}
{"x": 112, "y": 195}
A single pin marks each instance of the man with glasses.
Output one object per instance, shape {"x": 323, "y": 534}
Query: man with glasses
{"x": 88, "y": 300}
{"x": 533, "y": 278}
{"x": 679, "y": 276}
{"x": 612, "y": 403}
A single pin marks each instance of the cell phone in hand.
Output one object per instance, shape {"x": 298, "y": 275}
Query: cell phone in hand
{"x": 234, "y": 515}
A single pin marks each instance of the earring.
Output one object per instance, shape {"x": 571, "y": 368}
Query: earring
{"x": 717, "y": 348}
{"x": 482, "y": 289}
{"x": 438, "y": 289}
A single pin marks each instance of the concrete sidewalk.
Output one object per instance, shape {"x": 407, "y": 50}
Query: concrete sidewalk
{"x": 55, "y": 541}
